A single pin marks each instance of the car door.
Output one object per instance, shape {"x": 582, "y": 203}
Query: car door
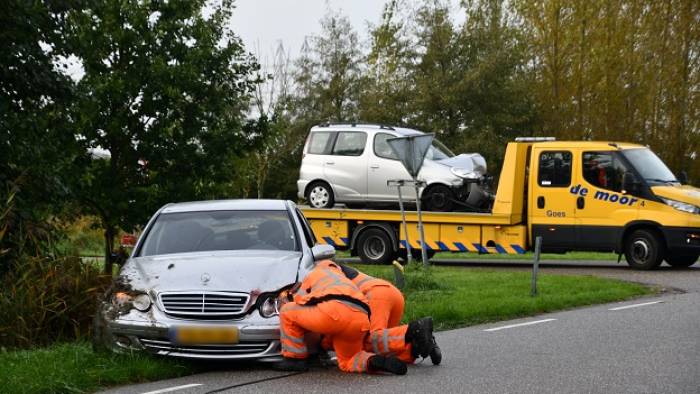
{"x": 603, "y": 208}
{"x": 552, "y": 205}
{"x": 384, "y": 165}
{"x": 345, "y": 169}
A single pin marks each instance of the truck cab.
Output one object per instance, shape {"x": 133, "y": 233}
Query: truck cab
{"x": 604, "y": 196}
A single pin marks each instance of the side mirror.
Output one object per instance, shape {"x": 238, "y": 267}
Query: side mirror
{"x": 323, "y": 252}
{"x": 629, "y": 183}
{"x": 683, "y": 178}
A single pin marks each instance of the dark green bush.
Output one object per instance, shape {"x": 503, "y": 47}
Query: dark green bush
{"x": 45, "y": 300}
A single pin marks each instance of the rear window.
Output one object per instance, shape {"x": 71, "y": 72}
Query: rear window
{"x": 320, "y": 143}
{"x": 184, "y": 232}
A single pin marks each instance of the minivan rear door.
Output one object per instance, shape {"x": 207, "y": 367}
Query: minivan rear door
{"x": 345, "y": 167}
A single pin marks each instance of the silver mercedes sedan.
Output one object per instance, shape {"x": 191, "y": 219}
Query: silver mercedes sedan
{"x": 204, "y": 278}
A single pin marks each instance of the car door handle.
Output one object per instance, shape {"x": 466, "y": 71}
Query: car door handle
{"x": 374, "y": 166}
{"x": 580, "y": 202}
{"x": 540, "y": 202}
{"x": 330, "y": 162}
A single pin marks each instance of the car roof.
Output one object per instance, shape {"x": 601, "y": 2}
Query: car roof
{"x": 400, "y": 131}
{"x": 227, "y": 205}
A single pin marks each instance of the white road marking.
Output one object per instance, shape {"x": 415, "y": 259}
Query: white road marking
{"x": 169, "y": 389}
{"x": 520, "y": 324}
{"x": 619, "y": 308}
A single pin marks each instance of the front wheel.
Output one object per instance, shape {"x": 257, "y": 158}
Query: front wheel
{"x": 681, "y": 261}
{"x": 644, "y": 250}
{"x": 374, "y": 247}
{"x": 439, "y": 198}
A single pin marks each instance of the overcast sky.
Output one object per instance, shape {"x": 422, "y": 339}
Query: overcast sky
{"x": 262, "y": 24}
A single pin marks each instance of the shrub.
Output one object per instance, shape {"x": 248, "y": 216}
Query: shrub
{"x": 44, "y": 300}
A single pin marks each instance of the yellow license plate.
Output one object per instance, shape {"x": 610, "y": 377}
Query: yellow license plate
{"x": 205, "y": 335}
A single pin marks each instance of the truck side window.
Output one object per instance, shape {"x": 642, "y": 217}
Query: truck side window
{"x": 604, "y": 170}
{"x": 554, "y": 169}
{"x": 349, "y": 143}
{"x": 320, "y": 143}
{"x": 382, "y": 148}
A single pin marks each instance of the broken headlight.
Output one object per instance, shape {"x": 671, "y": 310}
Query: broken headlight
{"x": 125, "y": 301}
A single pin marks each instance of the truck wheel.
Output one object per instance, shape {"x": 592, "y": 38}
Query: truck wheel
{"x": 320, "y": 195}
{"x": 439, "y": 198}
{"x": 644, "y": 250}
{"x": 374, "y": 247}
{"x": 681, "y": 261}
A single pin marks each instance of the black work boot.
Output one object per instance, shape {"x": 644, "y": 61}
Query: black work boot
{"x": 387, "y": 364}
{"x": 436, "y": 353}
{"x": 420, "y": 335}
{"x": 292, "y": 364}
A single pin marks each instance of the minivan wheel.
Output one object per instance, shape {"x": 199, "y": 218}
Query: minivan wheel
{"x": 320, "y": 195}
{"x": 644, "y": 250}
{"x": 439, "y": 198}
{"x": 374, "y": 247}
{"x": 681, "y": 260}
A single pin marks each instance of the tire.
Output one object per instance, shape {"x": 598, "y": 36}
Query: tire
{"x": 439, "y": 198}
{"x": 374, "y": 247}
{"x": 681, "y": 261}
{"x": 320, "y": 195}
{"x": 644, "y": 249}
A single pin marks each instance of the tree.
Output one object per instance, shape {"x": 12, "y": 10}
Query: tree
{"x": 36, "y": 145}
{"x": 165, "y": 90}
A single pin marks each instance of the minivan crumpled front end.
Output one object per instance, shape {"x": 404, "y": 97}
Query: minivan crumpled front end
{"x": 198, "y": 292}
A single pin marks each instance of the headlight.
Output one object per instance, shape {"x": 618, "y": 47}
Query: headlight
{"x": 681, "y": 206}
{"x": 269, "y": 307}
{"x": 125, "y": 301}
{"x": 463, "y": 173}
{"x": 142, "y": 302}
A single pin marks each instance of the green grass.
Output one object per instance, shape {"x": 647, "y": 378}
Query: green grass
{"x": 457, "y": 297}
{"x": 527, "y": 256}
{"x": 76, "y": 368}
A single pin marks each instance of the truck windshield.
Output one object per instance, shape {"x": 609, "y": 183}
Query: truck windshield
{"x": 184, "y": 232}
{"x": 438, "y": 151}
{"x": 649, "y": 166}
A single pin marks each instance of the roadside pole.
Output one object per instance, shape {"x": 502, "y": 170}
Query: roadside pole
{"x": 424, "y": 253}
{"x": 400, "y": 183}
{"x": 535, "y": 266}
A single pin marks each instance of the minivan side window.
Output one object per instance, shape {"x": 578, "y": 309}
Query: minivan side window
{"x": 604, "y": 170}
{"x": 554, "y": 169}
{"x": 350, "y": 143}
{"x": 320, "y": 143}
{"x": 382, "y": 148}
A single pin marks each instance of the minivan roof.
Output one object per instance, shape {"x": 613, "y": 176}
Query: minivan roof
{"x": 402, "y": 131}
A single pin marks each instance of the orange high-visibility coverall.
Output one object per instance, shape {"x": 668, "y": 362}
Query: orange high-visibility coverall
{"x": 385, "y": 301}
{"x": 387, "y": 304}
{"x": 327, "y": 303}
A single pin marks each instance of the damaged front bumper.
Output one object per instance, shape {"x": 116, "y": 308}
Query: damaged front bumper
{"x": 150, "y": 331}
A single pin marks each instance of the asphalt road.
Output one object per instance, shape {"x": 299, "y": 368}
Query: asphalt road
{"x": 651, "y": 347}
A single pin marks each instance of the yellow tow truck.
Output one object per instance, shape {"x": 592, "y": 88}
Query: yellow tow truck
{"x": 576, "y": 195}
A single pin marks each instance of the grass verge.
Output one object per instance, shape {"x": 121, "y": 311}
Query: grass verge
{"x": 457, "y": 297}
{"x": 526, "y": 256}
{"x": 76, "y": 368}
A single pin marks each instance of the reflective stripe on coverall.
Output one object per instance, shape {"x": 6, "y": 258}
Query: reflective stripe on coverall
{"x": 344, "y": 321}
{"x": 387, "y": 304}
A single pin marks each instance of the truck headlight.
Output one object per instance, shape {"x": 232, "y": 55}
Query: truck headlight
{"x": 463, "y": 173}
{"x": 681, "y": 206}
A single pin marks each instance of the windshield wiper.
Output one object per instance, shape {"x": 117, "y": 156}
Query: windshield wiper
{"x": 661, "y": 180}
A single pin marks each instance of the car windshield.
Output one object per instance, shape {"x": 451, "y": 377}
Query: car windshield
{"x": 184, "y": 232}
{"x": 649, "y": 166}
{"x": 438, "y": 151}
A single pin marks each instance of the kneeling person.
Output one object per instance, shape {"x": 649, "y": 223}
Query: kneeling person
{"x": 329, "y": 304}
